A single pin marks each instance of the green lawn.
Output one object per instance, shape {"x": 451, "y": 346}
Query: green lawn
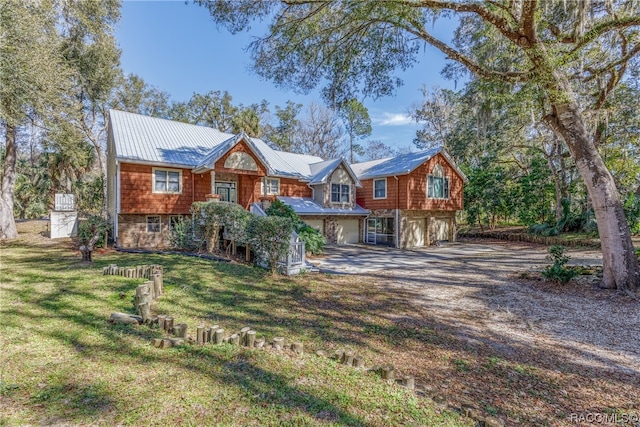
{"x": 63, "y": 363}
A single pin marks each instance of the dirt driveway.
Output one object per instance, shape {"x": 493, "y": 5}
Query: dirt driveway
{"x": 492, "y": 297}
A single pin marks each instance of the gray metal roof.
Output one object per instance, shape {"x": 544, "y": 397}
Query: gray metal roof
{"x": 307, "y": 206}
{"x": 400, "y": 165}
{"x": 150, "y": 139}
{"x": 322, "y": 171}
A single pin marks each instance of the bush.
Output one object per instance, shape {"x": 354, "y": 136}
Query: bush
{"x": 211, "y": 217}
{"x": 313, "y": 240}
{"x": 270, "y": 237}
{"x": 182, "y": 235}
{"x": 558, "y": 272}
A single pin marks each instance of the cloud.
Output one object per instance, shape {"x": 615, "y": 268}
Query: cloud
{"x": 394, "y": 119}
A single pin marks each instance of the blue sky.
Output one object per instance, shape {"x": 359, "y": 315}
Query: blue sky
{"x": 178, "y": 48}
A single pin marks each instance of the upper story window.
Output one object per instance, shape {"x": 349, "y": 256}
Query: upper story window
{"x": 380, "y": 188}
{"x": 437, "y": 184}
{"x": 340, "y": 193}
{"x": 167, "y": 181}
{"x": 271, "y": 186}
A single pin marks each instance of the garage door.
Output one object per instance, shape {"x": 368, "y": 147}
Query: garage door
{"x": 348, "y": 231}
{"x": 318, "y": 224}
{"x": 415, "y": 233}
{"x": 441, "y": 228}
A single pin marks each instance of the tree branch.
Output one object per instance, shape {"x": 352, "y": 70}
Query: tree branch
{"x": 474, "y": 67}
{"x": 604, "y": 27}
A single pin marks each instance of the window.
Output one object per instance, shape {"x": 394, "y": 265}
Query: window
{"x": 437, "y": 184}
{"x": 271, "y": 186}
{"x": 380, "y": 188}
{"x": 167, "y": 181}
{"x": 153, "y": 224}
{"x": 340, "y": 193}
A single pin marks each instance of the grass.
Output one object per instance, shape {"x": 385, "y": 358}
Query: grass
{"x": 63, "y": 363}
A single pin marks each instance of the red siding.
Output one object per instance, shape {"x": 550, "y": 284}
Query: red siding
{"x": 294, "y": 188}
{"x": 136, "y": 195}
{"x": 412, "y": 190}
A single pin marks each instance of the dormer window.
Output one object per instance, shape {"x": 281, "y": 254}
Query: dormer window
{"x": 340, "y": 193}
{"x": 437, "y": 184}
{"x": 271, "y": 186}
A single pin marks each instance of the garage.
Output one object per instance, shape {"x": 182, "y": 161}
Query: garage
{"x": 347, "y": 231}
{"x": 415, "y": 232}
{"x": 441, "y": 228}
{"x": 318, "y": 224}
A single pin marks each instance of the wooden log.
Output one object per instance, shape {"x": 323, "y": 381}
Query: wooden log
{"x": 200, "y": 335}
{"x": 168, "y": 324}
{"x": 149, "y": 286}
{"x": 321, "y": 353}
{"x": 347, "y": 358}
{"x": 166, "y": 343}
{"x": 247, "y": 253}
{"x": 156, "y": 342}
{"x": 211, "y": 333}
{"x": 157, "y": 284}
{"x": 161, "y": 320}
{"x": 260, "y": 342}
{"x": 250, "y": 338}
{"x": 177, "y": 341}
{"x": 409, "y": 382}
{"x": 112, "y": 269}
{"x": 278, "y": 343}
{"x": 105, "y": 270}
{"x": 125, "y": 318}
{"x": 337, "y": 355}
{"x": 358, "y": 362}
{"x": 388, "y": 372}
{"x": 180, "y": 330}
{"x": 144, "y": 309}
{"x": 243, "y": 334}
{"x": 234, "y": 339}
{"x": 219, "y": 336}
{"x": 146, "y": 272}
{"x": 120, "y": 271}
{"x": 297, "y": 348}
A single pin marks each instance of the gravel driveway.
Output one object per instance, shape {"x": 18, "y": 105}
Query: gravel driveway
{"x": 492, "y": 295}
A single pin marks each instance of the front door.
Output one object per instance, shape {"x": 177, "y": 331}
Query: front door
{"x": 227, "y": 191}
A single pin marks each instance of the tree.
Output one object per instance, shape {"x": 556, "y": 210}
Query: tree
{"x": 357, "y": 124}
{"x": 375, "y": 150}
{"x": 58, "y": 61}
{"x": 320, "y": 133}
{"x": 283, "y": 135}
{"x": 569, "y": 52}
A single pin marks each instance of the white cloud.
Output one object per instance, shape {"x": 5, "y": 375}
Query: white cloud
{"x": 393, "y": 119}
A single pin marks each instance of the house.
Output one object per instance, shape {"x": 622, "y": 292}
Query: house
{"x": 156, "y": 169}
{"x": 412, "y": 198}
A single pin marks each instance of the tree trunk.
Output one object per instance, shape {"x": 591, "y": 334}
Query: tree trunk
{"x": 620, "y": 264}
{"x": 8, "y": 228}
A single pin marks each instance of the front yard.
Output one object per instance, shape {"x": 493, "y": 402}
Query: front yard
{"x": 465, "y": 329}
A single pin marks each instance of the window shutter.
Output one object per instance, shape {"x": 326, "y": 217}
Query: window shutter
{"x": 446, "y": 187}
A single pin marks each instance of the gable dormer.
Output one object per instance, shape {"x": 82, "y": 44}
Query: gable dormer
{"x": 334, "y": 184}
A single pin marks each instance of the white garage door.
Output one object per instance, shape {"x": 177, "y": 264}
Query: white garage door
{"x": 348, "y": 231}
{"x": 441, "y": 228}
{"x": 318, "y": 224}
{"x": 415, "y": 233}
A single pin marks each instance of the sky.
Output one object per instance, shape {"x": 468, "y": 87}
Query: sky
{"x": 177, "y": 48}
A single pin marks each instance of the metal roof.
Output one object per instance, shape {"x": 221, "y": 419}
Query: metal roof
{"x": 150, "y": 139}
{"x": 322, "y": 171}
{"x": 307, "y": 206}
{"x": 399, "y": 165}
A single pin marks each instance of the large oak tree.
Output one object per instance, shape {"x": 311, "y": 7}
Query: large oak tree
{"x": 572, "y": 52}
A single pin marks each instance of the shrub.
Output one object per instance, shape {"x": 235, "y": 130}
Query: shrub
{"x": 211, "y": 217}
{"x": 182, "y": 235}
{"x": 270, "y": 238}
{"x": 558, "y": 272}
{"x": 313, "y": 240}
